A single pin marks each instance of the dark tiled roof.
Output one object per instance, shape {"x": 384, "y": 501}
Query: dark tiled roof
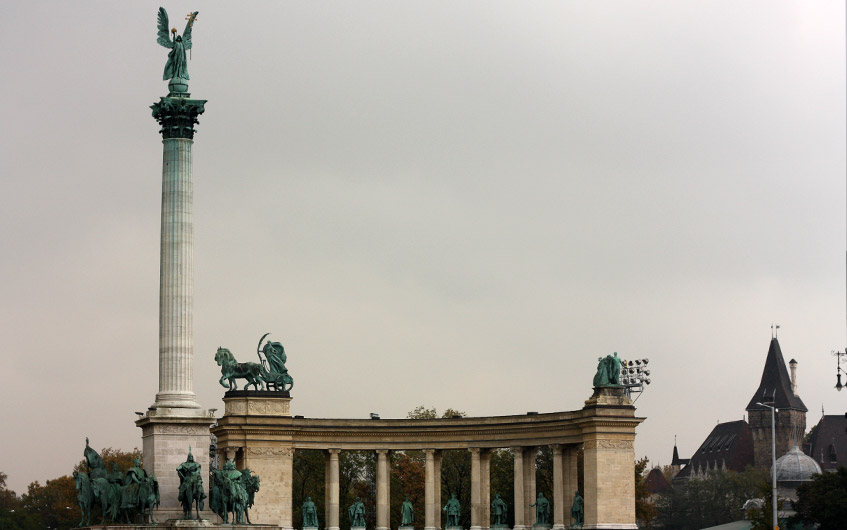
{"x": 729, "y": 444}
{"x": 828, "y": 442}
{"x": 775, "y": 377}
{"x": 656, "y": 481}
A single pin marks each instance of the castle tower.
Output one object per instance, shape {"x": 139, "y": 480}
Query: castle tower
{"x": 176, "y": 421}
{"x": 776, "y": 386}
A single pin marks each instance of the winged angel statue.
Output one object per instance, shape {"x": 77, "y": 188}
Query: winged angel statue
{"x": 176, "y": 65}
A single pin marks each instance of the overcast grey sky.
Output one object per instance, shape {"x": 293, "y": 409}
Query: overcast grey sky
{"x": 451, "y": 204}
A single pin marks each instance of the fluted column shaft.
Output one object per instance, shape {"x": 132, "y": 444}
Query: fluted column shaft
{"x": 520, "y": 500}
{"x": 383, "y": 486}
{"x": 429, "y": 490}
{"x": 176, "y": 278}
{"x": 558, "y": 489}
{"x": 332, "y": 485}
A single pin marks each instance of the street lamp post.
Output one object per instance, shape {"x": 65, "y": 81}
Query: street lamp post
{"x": 838, "y": 361}
{"x": 771, "y": 405}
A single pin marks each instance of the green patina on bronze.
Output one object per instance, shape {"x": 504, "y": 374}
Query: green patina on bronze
{"x": 233, "y": 492}
{"x": 499, "y": 511}
{"x": 310, "y": 514}
{"x": 542, "y": 510}
{"x": 177, "y": 65}
{"x": 356, "y": 512}
{"x": 608, "y": 371}
{"x": 119, "y": 496}
{"x": 453, "y": 510}
{"x": 407, "y": 513}
{"x": 268, "y": 374}
{"x": 191, "y": 494}
{"x": 177, "y": 113}
{"x": 578, "y": 510}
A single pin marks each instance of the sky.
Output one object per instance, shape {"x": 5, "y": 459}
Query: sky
{"x": 449, "y": 204}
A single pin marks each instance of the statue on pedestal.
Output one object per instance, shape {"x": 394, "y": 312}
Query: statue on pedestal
{"x": 542, "y": 510}
{"x": 229, "y": 494}
{"x": 499, "y": 511}
{"x": 578, "y": 510}
{"x": 453, "y": 509}
{"x": 608, "y": 371}
{"x": 356, "y": 512}
{"x": 190, "y": 486}
{"x": 251, "y": 484}
{"x": 310, "y": 514}
{"x": 268, "y": 374}
{"x": 140, "y": 491}
{"x": 177, "y": 66}
{"x": 407, "y": 513}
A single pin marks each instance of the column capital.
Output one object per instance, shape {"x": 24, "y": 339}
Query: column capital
{"x": 557, "y": 449}
{"x": 333, "y": 452}
{"x": 178, "y": 116}
{"x": 475, "y": 451}
{"x": 382, "y": 452}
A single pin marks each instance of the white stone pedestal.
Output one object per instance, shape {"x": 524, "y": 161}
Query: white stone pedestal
{"x": 165, "y": 441}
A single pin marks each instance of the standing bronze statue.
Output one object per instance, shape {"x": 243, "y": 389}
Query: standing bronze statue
{"x": 542, "y": 510}
{"x": 177, "y": 66}
{"x": 499, "y": 511}
{"x": 310, "y": 514}
{"x": 356, "y": 512}
{"x": 453, "y": 510}
{"x": 407, "y": 513}
{"x": 608, "y": 371}
{"x": 578, "y": 510}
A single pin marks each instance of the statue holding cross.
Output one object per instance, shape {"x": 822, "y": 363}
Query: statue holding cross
{"x": 177, "y": 66}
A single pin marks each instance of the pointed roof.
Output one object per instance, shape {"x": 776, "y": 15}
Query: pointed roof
{"x": 676, "y": 460}
{"x": 728, "y": 446}
{"x": 656, "y": 481}
{"x": 828, "y": 442}
{"x": 775, "y": 378}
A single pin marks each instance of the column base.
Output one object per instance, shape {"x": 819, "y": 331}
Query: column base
{"x": 522, "y": 527}
{"x": 310, "y": 528}
{"x": 382, "y": 528}
{"x": 559, "y": 527}
{"x": 610, "y": 526}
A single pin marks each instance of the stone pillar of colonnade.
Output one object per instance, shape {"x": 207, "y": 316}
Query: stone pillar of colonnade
{"x": 275, "y": 467}
{"x": 432, "y": 504}
{"x": 477, "y": 484}
{"x": 383, "y": 492}
{"x": 558, "y": 488}
{"x": 609, "y": 458}
{"x": 332, "y": 480}
{"x": 529, "y": 455}
{"x": 520, "y": 506}
{"x": 437, "y": 457}
{"x": 485, "y": 472}
{"x": 570, "y": 479}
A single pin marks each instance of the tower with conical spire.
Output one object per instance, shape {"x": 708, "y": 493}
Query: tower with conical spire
{"x": 778, "y": 387}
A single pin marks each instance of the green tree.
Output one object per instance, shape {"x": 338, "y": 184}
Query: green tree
{"x": 308, "y": 481}
{"x": 710, "y": 501}
{"x": 823, "y": 501}
{"x": 645, "y": 510}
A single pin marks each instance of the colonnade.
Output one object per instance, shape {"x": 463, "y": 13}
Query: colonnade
{"x": 259, "y": 432}
{"x": 564, "y": 485}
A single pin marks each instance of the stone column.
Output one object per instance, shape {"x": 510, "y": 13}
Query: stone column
{"x": 485, "y": 471}
{"x": 558, "y": 489}
{"x": 571, "y": 478}
{"x": 438, "y": 504}
{"x": 175, "y": 421}
{"x": 520, "y": 500}
{"x": 326, "y": 489}
{"x": 529, "y": 484}
{"x": 430, "y": 502}
{"x": 383, "y": 485}
{"x": 333, "y": 485}
{"x": 476, "y": 489}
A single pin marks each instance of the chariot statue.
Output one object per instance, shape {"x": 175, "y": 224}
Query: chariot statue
{"x": 269, "y": 373}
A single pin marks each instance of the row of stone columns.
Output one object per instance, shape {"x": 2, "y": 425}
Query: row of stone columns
{"x": 564, "y": 485}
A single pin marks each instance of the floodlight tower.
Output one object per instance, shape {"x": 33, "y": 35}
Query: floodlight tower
{"x": 634, "y": 375}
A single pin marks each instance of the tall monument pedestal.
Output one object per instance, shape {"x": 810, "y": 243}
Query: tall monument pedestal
{"x": 165, "y": 441}
{"x": 176, "y": 421}
{"x": 243, "y": 436}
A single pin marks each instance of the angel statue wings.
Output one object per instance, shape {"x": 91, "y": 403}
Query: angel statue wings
{"x": 176, "y": 67}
